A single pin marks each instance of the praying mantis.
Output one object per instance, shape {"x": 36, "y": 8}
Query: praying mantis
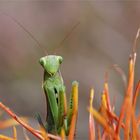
{"x": 54, "y": 88}
{"x": 59, "y": 118}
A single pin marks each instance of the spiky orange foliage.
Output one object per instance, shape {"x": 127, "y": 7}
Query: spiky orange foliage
{"x": 91, "y": 120}
{"x": 127, "y": 120}
{"x": 36, "y": 133}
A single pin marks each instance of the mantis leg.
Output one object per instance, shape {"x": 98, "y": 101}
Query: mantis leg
{"x": 52, "y": 106}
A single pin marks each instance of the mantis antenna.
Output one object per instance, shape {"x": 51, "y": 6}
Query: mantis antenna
{"x": 67, "y": 35}
{"x": 28, "y": 32}
{"x": 32, "y": 36}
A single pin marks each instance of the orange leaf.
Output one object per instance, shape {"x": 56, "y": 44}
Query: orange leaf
{"x": 2, "y": 137}
{"x": 15, "y": 133}
{"x": 75, "y": 111}
{"x": 91, "y": 120}
{"x": 102, "y": 121}
{"x": 10, "y": 122}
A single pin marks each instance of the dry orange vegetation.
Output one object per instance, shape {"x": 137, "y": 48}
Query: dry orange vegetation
{"x": 127, "y": 120}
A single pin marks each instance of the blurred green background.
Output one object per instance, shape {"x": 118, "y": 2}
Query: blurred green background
{"x": 104, "y": 37}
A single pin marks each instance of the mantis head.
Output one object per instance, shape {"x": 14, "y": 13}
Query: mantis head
{"x": 51, "y": 63}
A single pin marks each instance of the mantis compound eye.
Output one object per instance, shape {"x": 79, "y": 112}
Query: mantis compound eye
{"x": 60, "y": 60}
{"x": 41, "y": 61}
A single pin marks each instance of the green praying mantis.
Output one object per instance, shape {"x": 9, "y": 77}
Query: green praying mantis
{"x": 58, "y": 117}
{"x": 54, "y": 88}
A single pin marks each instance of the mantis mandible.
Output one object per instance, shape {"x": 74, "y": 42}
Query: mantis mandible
{"x": 58, "y": 116}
